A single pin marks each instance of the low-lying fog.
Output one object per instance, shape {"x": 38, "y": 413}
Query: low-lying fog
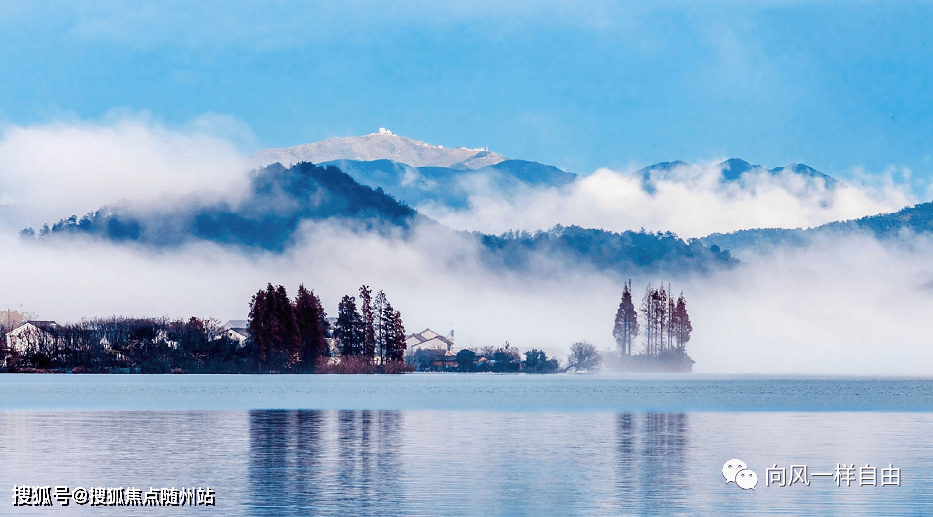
{"x": 842, "y": 305}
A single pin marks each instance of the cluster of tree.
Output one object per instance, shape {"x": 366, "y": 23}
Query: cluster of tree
{"x": 145, "y": 345}
{"x": 288, "y": 335}
{"x": 501, "y": 359}
{"x": 374, "y": 332}
{"x": 610, "y": 251}
{"x": 665, "y": 323}
{"x": 284, "y": 335}
{"x": 293, "y": 335}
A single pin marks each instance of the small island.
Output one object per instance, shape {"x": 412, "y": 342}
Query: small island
{"x": 666, "y": 329}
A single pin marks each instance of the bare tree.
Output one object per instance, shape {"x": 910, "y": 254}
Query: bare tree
{"x": 583, "y": 356}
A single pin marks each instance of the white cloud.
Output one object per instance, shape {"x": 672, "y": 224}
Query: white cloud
{"x": 51, "y": 171}
{"x": 689, "y": 200}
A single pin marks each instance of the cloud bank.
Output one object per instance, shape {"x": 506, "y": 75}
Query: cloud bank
{"x": 54, "y": 170}
{"x": 690, "y": 200}
{"x": 843, "y": 306}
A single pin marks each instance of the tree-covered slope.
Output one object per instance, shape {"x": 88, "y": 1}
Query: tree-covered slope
{"x": 917, "y": 219}
{"x": 623, "y": 253}
{"x": 280, "y": 199}
{"x": 266, "y": 218}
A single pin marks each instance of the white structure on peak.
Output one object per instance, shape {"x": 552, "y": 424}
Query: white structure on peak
{"x": 384, "y": 131}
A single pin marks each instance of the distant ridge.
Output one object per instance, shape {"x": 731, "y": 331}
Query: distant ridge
{"x": 281, "y": 200}
{"x": 916, "y": 219}
{"x": 380, "y": 146}
{"x": 734, "y": 169}
{"x": 449, "y": 186}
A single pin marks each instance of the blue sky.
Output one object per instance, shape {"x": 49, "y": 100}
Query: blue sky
{"x": 839, "y": 86}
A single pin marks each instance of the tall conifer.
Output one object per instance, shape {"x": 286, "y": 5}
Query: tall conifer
{"x": 626, "y": 323}
{"x": 311, "y": 332}
{"x": 369, "y": 332}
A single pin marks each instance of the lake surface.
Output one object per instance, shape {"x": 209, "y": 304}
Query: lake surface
{"x": 449, "y": 444}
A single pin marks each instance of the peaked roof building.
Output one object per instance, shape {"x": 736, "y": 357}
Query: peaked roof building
{"x": 428, "y": 339}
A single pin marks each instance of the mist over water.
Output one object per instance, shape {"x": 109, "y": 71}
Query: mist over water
{"x": 828, "y": 307}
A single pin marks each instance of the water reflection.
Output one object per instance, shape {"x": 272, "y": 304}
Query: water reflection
{"x": 315, "y": 462}
{"x": 346, "y": 463}
{"x": 652, "y": 466}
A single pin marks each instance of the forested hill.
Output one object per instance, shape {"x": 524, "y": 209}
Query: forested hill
{"x": 267, "y": 218}
{"x": 608, "y": 251}
{"x": 282, "y": 198}
{"x": 917, "y": 219}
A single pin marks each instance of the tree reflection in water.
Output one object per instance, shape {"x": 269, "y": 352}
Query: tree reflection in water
{"x": 652, "y": 464}
{"x": 314, "y": 462}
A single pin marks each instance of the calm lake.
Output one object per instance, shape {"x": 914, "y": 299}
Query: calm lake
{"x": 473, "y": 444}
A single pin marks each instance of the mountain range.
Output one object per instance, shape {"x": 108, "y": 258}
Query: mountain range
{"x": 363, "y": 184}
{"x": 281, "y": 199}
{"x": 421, "y": 174}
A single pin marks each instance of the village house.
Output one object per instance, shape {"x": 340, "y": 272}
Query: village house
{"x": 427, "y": 339}
{"x": 240, "y": 335}
{"x": 441, "y": 353}
{"x": 28, "y": 337}
{"x": 237, "y": 330}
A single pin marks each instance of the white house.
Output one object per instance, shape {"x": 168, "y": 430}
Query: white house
{"x": 237, "y": 330}
{"x": 240, "y": 335}
{"x": 428, "y": 339}
{"x": 28, "y": 337}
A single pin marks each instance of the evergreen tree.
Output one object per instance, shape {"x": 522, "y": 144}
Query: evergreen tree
{"x": 259, "y": 323}
{"x": 273, "y": 327}
{"x": 398, "y": 352}
{"x": 670, "y": 318}
{"x": 681, "y": 324}
{"x": 663, "y": 329}
{"x": 288, "y": 342}
{"x": 393, "y": 334}
{"x": 654, "y": 309}
{"x": 349, "y": 328}
{"x": 380, "y": 324}
{"x": 310, "y": 317}
{"x": 325, "y": 327}
{"x": 649, "y": 312}
{"x": 626, "y": 323}
{"x": 369, "y": 333}
{"x": 388, "y": 332}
